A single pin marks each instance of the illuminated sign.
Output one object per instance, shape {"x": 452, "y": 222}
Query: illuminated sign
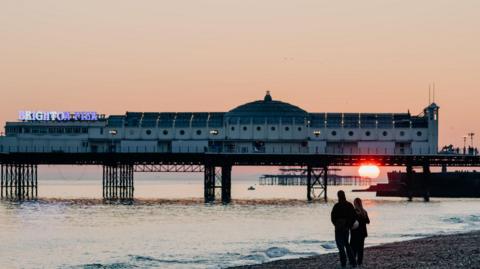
{"x": 26, "y": 115}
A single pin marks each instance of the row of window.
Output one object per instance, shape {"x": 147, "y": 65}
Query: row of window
{"x": 46, "y": 130}
{"x": 259, "y": 128}
{"x": 317, "y": 133}
{"x": 215, "y": 132}
{"x": 367, "y": 133}
{"x": 84, "y": 130}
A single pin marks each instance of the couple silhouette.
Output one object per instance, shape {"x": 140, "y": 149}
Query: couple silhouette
{"x": 350, "y": 222}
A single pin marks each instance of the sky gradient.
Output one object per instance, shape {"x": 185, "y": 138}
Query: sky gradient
{"x": 114, "y": 56}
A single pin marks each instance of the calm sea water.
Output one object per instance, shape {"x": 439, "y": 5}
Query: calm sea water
{"x": 170, "y": 227}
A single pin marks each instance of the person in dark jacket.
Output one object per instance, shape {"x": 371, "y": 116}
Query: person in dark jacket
{"x": 357, "y": 240}
{"x": 343, "y": 217}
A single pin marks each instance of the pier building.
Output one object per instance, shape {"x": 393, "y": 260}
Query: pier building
{"x": 265, "y": 126}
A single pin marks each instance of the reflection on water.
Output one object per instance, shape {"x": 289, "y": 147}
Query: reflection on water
{"x": 169, "y": 226}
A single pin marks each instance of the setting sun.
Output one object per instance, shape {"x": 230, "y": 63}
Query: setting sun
{"x": 370, "y": 171}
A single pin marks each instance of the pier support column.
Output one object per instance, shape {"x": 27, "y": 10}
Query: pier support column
{"x": 209, "y": 183}
{"x": 309, "y": 183}
{"x": 325, "y": 183}
{"x": 409, "y": 183}
{"x": 226, "y": 184}
{"x": 18, "y": 181}
{"x": 317, "y": 183}
{"x": 118, "y": 182}
{"x": 217, "y": 179}
{"x": 426, "y": 182}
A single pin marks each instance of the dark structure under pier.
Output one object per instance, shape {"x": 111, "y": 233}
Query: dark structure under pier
{"x": 19, "y": 170}
{"x": 19, "y": 181}
{"x": 117, "y": 182}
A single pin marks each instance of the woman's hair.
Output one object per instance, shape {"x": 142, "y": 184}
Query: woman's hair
{"x": 357, "y": 203}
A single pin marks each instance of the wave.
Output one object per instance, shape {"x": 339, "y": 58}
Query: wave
{"x": 104, "y": 266}
{"x": 469, "y": 219}
{"x": 139, "y": 261}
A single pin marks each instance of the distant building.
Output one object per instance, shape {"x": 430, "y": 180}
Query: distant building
{"x": 262, "y": 127}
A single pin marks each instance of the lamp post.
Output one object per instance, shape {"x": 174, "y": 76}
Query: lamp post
{"x": 471, "y": 135}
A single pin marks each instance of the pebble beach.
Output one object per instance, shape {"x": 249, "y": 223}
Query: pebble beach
{"x": 443, "y": 251}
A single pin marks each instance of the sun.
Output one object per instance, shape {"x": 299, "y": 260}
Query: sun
{"x": 369, "y": 171}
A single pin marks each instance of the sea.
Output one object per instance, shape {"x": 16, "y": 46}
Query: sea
{"x": 169, "y": 226}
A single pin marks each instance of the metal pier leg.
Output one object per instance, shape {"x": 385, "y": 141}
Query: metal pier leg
{"x": 409, "y": 183}
{"x": 35, "y": 179}
{"x": 209, "y": 183}
{"x": 309, "y": 183}
{"x": 117, "y": 182}
{"x": 325, "y": 182}
{"x": 131, "y": 188}
{"x": 104, "y": 170}
{"x": 426, "y": 182}
{"x": 1, "y": 180}
{"x": 18, "y": 181}
{"x": 226, "y": 183}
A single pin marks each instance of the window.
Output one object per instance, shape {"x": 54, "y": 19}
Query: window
{"x": 199, "y": 132}
{"x": 350, "y": 133}
{"x": 182, "y": 132}
{"x": 232, "y": 128}
{"x": 287, "y": 128}
{"x": 244, "y": 128}
{"x": 334, "y": 133}
{"x": 165, "y": 132}
{"x": 419, "y": 133}
{"x": 299, "y": 129}
{"x": 385, "y": 133}
{"x": 367, "y": 133}
{"x": 402, "y": 133}
{"x": 272, "y": 128}
{"x": 148, "y": 132}
{"x": 259, "y": 128}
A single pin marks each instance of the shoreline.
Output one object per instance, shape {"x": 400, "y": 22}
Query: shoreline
{"x": 438, "y": 251}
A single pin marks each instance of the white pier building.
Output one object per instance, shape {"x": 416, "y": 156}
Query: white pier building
{"x": 262, "y": 127}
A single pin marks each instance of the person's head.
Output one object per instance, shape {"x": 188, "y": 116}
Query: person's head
{"x": 357, "y": 203}
{"x": 341, "y": 196}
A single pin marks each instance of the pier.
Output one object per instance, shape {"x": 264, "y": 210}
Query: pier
{"x": 264, "y": 132}
{"x": 298, "y": 177}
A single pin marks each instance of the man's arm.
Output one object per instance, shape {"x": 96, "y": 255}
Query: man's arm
{"x": 333, "y": 215}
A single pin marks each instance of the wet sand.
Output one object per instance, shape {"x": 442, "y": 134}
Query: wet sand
{"x": 444, "y": 251}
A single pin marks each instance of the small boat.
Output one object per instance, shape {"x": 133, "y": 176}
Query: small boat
{"x": 251, "y": 188}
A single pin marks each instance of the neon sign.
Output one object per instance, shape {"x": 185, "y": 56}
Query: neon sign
{"x": 25, "y": 115}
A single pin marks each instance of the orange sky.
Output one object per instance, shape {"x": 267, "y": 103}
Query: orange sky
{"x": 324, "y": 56}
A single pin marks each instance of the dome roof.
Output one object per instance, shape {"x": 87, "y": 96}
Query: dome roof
{"x": 267, "y": 107}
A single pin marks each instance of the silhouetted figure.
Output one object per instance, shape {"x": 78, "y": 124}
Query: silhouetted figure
{"x": 343, "y": 217}
{"x": 357, "y": 240}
